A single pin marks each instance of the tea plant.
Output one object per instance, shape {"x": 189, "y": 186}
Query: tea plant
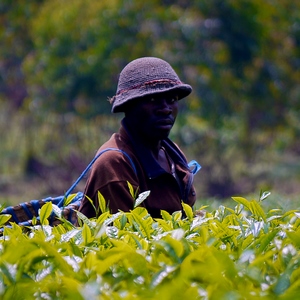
{"x": 240, "y": 253}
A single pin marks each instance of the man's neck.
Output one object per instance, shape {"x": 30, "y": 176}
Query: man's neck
{"x": 153, "y": 145}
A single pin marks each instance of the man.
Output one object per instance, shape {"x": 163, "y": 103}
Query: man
{"x": 141, "y": 152}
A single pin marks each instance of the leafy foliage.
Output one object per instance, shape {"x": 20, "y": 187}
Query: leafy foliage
{"x": 240, "y": 253}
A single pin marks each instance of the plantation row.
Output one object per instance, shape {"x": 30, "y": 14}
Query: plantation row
{"x": 240, "y": 253}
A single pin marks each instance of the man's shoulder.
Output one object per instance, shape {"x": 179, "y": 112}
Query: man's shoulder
{"x": 116, "y": 145}
{"x": 115, "y": 151}
{"x": 115, "y": 160}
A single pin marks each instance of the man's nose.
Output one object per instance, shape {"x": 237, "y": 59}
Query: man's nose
{"x": 165, "y": 107}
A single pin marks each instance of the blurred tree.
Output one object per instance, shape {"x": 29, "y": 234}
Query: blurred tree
{"x": 15, "y": 43}
{"x": 230, "y": 51}
{"x": 80, "y": 47}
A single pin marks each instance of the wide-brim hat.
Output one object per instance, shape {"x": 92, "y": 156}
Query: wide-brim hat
{"x": 147, "y": 76}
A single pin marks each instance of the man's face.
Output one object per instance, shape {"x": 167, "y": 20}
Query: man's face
{"x": 153, "y": 116}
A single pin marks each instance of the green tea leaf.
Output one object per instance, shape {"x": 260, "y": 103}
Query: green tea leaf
{"x": 66, "y": 237}
{"x": 55, "y": 256}
{"x": 103, "y": 217}
{"x": 110, "y": 260}
{"x": 86, "y": 234}
{"x": 165, "y": 215}
{"x": 34, "y": 221}
{"x": 131, "y": 190}
{"x": 160, "y": 276}
{"x": 143, "y": 224}
{"x": 69, "y": 199}
{"x": 282, "y": 284}
{"x": 266, "y": 240}
{"x": 112, "y": 218}
{"x": 176, "y": 216}
{"x": 45, "y": 212}
{"x": 102, "y": 203}
{"x": 164, "y": 225}
{"x": 188, "y": 210}
{"x": 242, "y": 201}
{"x": 86, "y": 220}
{"x": 92, "y": 203}
{"x": 4, "y": 218}
{"x": 71, "y": 288}
{"x": 290, "y": 212}
{"x": 57, "y": 210}
{"x": 256, "y": 209}
{"x": 123, "y": 221}
{"x": 294, "y": 236}
{"x": 141, "y": 198}
{"x": 264, "y": 195}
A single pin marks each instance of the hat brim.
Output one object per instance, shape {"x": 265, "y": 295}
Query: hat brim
{"x": 120, "y": 101}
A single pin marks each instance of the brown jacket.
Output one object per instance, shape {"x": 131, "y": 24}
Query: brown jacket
{"x": 113, "y": 169}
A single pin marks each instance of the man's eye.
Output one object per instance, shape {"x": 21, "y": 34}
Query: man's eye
{"x": 174, "y": 99}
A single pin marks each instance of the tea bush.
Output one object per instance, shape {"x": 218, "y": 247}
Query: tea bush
{"x": 243, "y": 252}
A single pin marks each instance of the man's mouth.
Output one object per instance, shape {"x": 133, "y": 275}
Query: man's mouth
{"x": 165, "y": 124}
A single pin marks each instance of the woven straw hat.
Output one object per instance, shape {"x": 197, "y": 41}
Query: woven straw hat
{"x": 147, "y": 76}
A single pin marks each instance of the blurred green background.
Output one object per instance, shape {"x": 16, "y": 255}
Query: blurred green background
{"x": 59, "y": 64}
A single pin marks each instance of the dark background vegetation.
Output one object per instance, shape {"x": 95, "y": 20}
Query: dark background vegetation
{"x": 60, "y": 60}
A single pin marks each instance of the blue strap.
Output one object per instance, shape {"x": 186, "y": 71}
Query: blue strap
{"x": 55, "y": 200}
{"x": 70, "y": 215}
{"x": 9, "y": 210}
{"x": 25, "y": 223}
{"x": 195, "y": 165}
{"x": 90, "y": 165}
{"x": 36, "y": 206}
{"x": 78, "y": 197}
{"x": 27, "y": 211}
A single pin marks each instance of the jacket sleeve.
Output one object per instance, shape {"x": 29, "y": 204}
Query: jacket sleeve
{"x": 110, "y": 176}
